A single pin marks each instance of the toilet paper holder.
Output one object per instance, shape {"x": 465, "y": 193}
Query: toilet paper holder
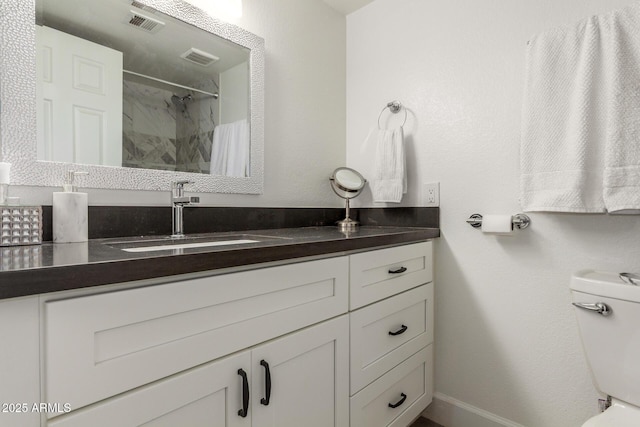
{"x": 519, "y": 221}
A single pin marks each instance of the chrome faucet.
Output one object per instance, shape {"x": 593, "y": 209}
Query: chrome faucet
{"x": 178, "y": 202}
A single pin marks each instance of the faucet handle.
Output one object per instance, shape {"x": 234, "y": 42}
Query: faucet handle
{"x": 180, "y": 184}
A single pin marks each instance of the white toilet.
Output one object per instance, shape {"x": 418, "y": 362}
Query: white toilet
{"x": 607, "y": 306}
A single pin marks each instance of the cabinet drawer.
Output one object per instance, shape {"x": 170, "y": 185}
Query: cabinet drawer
{"x": 408, "y": 387}
{"x": 100, "y": 345}
{"x": 387, "y": 332}
{"x": 380, "y": 274}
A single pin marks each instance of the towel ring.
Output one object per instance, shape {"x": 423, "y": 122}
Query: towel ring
{"x": 394, "y": 107}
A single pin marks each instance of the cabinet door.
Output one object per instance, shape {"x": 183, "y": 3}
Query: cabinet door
{"x": 309, "y": 373}
{"x": 207, "y": 396}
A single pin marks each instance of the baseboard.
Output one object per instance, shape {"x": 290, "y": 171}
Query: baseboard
{"x": 450, "y": 412}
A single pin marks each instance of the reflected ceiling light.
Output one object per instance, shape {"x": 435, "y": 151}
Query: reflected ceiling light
{"x": 219, "y": 8}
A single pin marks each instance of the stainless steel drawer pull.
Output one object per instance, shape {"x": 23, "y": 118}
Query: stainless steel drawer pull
{"x": 598, "y": 307}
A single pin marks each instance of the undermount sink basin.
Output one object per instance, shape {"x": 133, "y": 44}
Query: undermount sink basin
{"x": 152, "y": 244}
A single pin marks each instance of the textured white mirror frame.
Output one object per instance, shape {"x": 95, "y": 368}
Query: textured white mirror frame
{"x": 18, "y": 109}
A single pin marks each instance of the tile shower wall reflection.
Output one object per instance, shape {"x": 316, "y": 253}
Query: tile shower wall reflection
{"x": 167, "y": 130}
{"x": 195, "y": 128}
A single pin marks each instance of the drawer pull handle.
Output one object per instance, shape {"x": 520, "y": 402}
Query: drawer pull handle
{"x": 398, "y": 271}
{"x": 245, "y": 394}
{"x": 400, "y": 331}
{"x": 267, "y": 391}
{"x": 399, "y": 402}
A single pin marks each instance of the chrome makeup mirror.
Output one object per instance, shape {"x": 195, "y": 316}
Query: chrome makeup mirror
{"x": 347, "y": 184}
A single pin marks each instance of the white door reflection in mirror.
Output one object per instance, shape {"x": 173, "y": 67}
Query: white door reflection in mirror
{"x": 79, "y": 100}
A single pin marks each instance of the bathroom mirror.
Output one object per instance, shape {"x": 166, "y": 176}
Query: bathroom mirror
{"x": 347, "y": 183}
{"x": 187, "y": 94}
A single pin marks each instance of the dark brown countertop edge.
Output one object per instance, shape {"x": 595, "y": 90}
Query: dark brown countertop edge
{"x": 53, "y": 279}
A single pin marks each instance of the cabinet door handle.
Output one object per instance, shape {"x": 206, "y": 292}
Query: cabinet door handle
{"x": 400, "y": 331}
{"x": 245, "y": 394}
{"x": 399, "y": 402}
{"x": 267, "y": 379}
{"x": 398, "y": 270}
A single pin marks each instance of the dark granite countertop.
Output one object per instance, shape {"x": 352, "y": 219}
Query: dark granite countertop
{"x": 30, "y": 270}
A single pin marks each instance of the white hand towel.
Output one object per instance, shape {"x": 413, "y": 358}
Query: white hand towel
{"x": 563, "y": 134}
{"x": 388, "y": 178}
{"x": 621, "y": 49}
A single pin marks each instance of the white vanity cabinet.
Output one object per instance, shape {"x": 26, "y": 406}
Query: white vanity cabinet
{"x": 331, "y": 342}
{"x": 391, "y": 322}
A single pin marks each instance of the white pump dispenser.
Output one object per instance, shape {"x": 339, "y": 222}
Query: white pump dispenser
{"x": 70, "y": 212}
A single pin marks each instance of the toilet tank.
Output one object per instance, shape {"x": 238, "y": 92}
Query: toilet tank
{"x": 611, "y": 343}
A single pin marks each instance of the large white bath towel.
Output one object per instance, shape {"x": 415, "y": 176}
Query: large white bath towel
{"x": 388, "y": 177}
{"x": 580, "y": 147}
{"x": 621, "y": 47}
{"x": 563, "y": 134}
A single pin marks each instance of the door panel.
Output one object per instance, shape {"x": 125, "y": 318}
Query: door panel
{"x": 309, "y": 378}
{"x": 207, "y": 396}
{"x": 79, "y": 100}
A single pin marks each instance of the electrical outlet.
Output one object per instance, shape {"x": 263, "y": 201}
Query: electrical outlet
{"x": 431, "y": 194}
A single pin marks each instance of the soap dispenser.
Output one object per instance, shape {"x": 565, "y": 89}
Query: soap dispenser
{"x": 70, "y": 212}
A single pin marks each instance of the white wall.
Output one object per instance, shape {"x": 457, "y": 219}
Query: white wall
{"x": 234, "y": 89}
{"x": 506, "y": 336}
{"x": 304, "y": 110}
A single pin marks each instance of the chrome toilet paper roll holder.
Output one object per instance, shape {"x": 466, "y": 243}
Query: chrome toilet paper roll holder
{"x": 519, "y": 221}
